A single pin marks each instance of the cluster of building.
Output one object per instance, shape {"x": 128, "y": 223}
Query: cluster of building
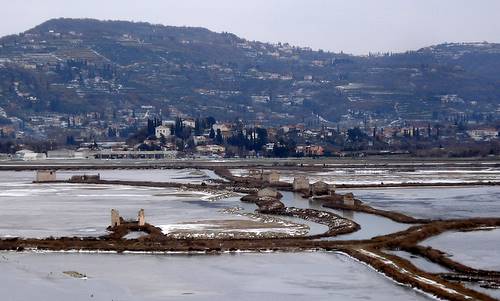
{"x": 315, "y": 141}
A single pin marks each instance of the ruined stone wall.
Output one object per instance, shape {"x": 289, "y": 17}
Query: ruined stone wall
{"x": 45, "y": 175}
{"x": 115, "y": 218}
{"x": 267, "y": 192}
{"x": 320, "y": 188}
{"x": 301, "y": 183}
{"x": 348, "y": 199}
{"x": 271, "y": 177}
{"x": 141, "y": 219}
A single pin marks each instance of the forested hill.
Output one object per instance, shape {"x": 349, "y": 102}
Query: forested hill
{"x": 84, "y": 65}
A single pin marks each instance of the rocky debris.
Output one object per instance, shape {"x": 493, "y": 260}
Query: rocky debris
{"x": 490, "y": 282}
{"x": 85, "y": 178}
{"x": 75, "y": 274}
{"x": 125, "y": 227}
{"x": 269, "y": 205}
{"x": 268, "y": 192}
{"x": 320, "y": 188}
{"x": 346, "y": 202}
{"x": 258, "y": 227}
{"x": 336, "y": 224}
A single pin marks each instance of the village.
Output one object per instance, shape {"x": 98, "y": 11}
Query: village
{"x": 206, "y": 137}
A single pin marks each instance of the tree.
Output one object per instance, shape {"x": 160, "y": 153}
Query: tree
{"x": 355, "y": 135}
{"x": 198, "y": 126}
{"x": 218, "y": 137}
{"x": 70, "y": 140}
{"x": 163, "y": 140}
{"x": 178, "y": 127}
{"x": 261, "y": 138}
{"x": 210, "y": 121}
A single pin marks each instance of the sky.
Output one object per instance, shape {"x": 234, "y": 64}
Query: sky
{"x": 352, "y": 26}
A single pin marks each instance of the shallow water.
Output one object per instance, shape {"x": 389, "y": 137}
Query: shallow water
{"x": 435, "y": 202}
{"x": 363, "y": 175}
{"x": 420, "y": 262}
{"x": 494, "y": 293}
{"x": 371, "y": 225}
{"x": 478, "y": 249}
{"x": 184, "y": 176}
{"x": 41, "y": 210}
{"x": 276, "y": 276}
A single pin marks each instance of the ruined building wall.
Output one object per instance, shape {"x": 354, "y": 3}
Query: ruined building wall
{"x": 45, "y": 175}
{"x": 301, "y": 183}
{"x": 141, "y": 219}
{"x": 115, "y": 218}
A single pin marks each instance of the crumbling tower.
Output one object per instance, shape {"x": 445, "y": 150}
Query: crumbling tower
{"x": 301, "y": 183}
{"x": 141, "y": 220}
{"x": 348, "y": 199}
{"x": 115, "y": 218}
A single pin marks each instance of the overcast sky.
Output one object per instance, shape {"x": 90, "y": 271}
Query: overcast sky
{"x": 354, "y": 26}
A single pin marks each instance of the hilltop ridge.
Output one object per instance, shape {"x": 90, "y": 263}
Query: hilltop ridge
{"x": 78, "y": 65}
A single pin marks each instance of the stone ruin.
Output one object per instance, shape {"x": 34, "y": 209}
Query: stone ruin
{"x": 141, "y": 219}
{"x": 348, "y": 199}
{"x": 45, "y": 176}
{"x": 85, "y": 178}
{"x": 116, "y": 219}
{"x": 301, "y": 183}
{"x": 270, "y": 177}
{"x": 320, "y": 188}
{"x": 267, "y": 192}
{"x": 254, "y": 173}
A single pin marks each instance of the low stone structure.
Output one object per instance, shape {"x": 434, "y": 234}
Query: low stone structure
{"x": 348, "y": 199}
{"x": 45, "y": 176}
{"x": 271, "y": 177}
{"x": 269, "y": 205}
{"x": 141, "y": 219}
{"x": 267, "y": 192}
{"x": 85, "y": 178}
{"x": 320, "y": 188}
{"x": 268, "y": 176}
{"x": 301, "y": 183}
{"x": 255, "y": 173}
{"x": 115, "y": 218}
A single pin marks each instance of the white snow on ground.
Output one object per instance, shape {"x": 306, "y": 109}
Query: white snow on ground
{"x": 414, "y": 276}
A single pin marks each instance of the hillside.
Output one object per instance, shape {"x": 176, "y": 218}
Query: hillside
{"x": 83, "y": 65}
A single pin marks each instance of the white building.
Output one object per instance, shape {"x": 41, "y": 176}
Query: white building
{"x": 210, "y": 149}
{"x": 189, "y": 123}
{"x": 28, "y": 155}
{"x": 163, "y": 130}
